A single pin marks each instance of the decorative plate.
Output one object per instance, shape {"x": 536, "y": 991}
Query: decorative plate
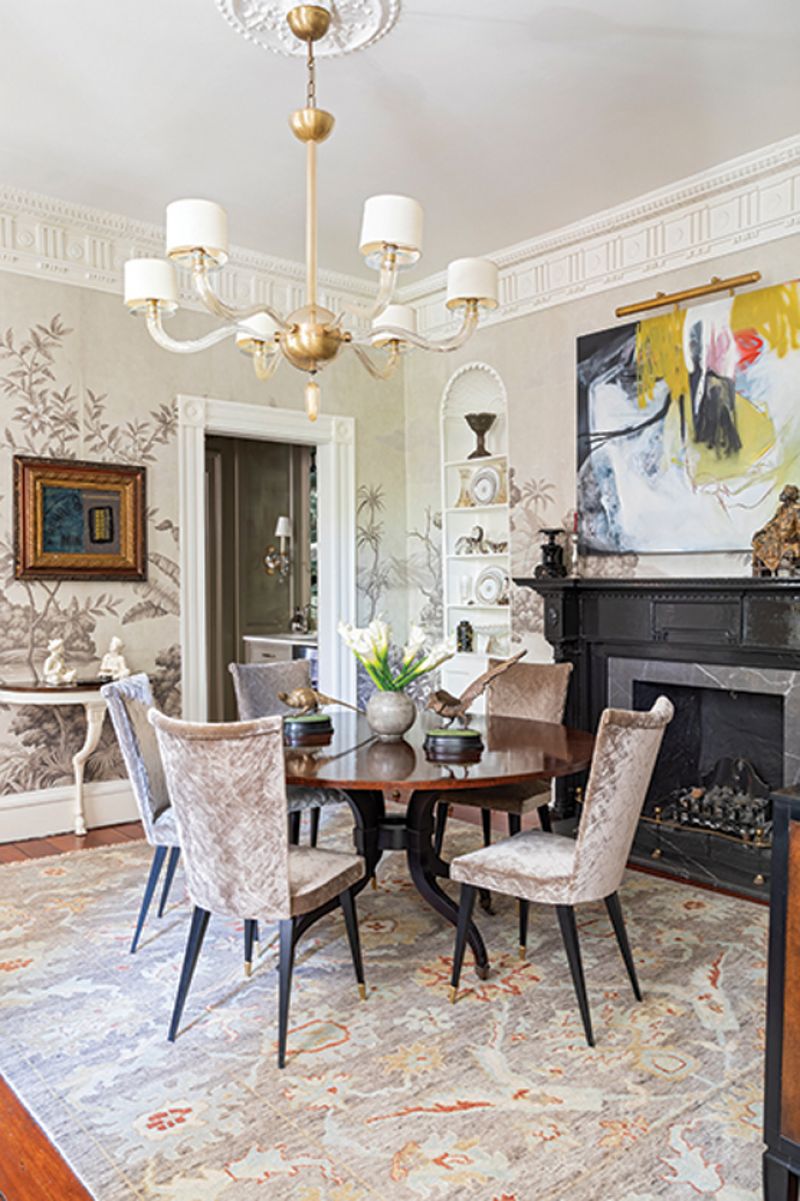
{"x": 485, "y": 485}
{"x": 491, "y": 586}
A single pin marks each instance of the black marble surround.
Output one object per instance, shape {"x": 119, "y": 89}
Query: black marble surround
{"x": 737, "y": 635}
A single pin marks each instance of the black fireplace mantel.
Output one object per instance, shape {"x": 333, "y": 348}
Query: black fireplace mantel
{"x": 593, "y": 621}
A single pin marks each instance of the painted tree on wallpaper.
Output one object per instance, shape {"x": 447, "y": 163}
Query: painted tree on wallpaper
{"x": 48, "y": 417}
{"x": 688, "y": 424}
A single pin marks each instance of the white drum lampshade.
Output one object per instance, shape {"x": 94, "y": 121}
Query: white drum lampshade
{"x": 197, "y": 225}
{"x": 283, "y": 528}
{"x": 400, "y": 316}
{"x": 150, "y": 279}
{"x": 472, "y": 279}
{"x": 255, "y": 331}
{"x": 391, "y": 221}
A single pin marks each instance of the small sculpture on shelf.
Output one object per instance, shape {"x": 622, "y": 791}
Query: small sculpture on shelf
{"x": 465, "y": 637}
{"x": 454, "y": 708}
{"x": 552, "y": 564}
{"x": 113, "y": 665}
{"x": 480, "y": 424}
{"x": 776, "y": 547}
{"x": 55, "y": 671}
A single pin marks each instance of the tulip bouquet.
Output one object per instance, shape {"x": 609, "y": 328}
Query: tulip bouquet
{"x": 372, "y": 647}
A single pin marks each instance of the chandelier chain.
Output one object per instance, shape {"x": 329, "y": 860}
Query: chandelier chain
{"x": 311, "y": 91}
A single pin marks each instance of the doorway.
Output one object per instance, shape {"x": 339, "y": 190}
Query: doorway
{"x": 333, "y": 440}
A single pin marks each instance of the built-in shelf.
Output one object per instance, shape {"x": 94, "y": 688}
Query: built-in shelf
{"x": 477, "y": 462}
{"x": 495, "y": 508}
{"x": 473, "y": 606}
{"x": 479, "y": 557}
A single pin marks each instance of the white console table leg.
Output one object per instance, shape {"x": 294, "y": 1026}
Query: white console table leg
{"x": 95, "y": 712}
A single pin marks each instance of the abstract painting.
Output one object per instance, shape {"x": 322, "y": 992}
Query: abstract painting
{"x": 689, "y": 425}
{"x": 78, "y": 520}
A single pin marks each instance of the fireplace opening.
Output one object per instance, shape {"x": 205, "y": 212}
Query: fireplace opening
{"x": 722, "y": 754}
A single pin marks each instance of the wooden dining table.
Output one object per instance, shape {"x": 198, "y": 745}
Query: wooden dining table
{"x": 369, "y": 772}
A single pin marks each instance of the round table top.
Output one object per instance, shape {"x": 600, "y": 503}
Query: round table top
{"x": 39, "y": 691}
{"x": 515, "y": 752}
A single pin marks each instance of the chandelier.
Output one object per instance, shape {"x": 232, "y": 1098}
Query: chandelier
{"x": 311, "y": 336}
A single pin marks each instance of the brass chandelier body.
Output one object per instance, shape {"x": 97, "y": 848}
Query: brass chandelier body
{"x": 311, "y": 336}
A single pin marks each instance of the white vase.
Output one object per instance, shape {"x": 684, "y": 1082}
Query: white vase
{"x": 390, "y": 714}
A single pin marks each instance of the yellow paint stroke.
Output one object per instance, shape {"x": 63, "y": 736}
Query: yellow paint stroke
{"x": 773, "y": 312}
{"x": 659, "y": 355}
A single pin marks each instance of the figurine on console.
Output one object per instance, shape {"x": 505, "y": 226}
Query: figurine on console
{"x": 776, "y": 547}
{"x": 55, "y": 670}
{"x": 113, "y": 665}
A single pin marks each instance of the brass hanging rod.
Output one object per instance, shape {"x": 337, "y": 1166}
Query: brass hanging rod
{"x": 662, "y": 299}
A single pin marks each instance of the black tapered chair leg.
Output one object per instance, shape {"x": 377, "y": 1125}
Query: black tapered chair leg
{"x": 544, "y": 818}
{"x": 514, "y": 823}
{"x": 618, "y": 922}
{"x": 197, "y": 932}
{"x": 172, "y": 863}
{"x": 486, "y": 822}
{"x": 442, "y": 812}
{"x": 155, "y": 870}
{"x": 464, "y": 916}
{"x": 524, "y": 906}
{"x": 569, "y": 932}
{"x": 294, "y": 828}
{"x": 314, "y": 822}
{"x": 348, "y": 904}
{"x": 285, "y": 966}
{"x": 250, "y": 936}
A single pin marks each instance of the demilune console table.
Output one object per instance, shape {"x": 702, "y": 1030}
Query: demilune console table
{"x": 83, "y": 692}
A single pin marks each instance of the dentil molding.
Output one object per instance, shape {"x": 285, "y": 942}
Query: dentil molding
{"x": 745, "y": 202}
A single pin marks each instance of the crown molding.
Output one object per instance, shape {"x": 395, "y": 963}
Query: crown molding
{"x": 747, "y": 201}
{"x": 44, "y": 237}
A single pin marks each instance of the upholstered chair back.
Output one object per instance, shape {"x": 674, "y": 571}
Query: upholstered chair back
{"x": 128, "y": 702}
{"x": 625, "y": 752}
{"x": 534, "y": 691}
{"x": 257, "y": 686}
{"x": 226, "y": 783}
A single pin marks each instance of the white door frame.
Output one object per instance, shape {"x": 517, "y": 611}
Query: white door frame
{"x": 334, "y": 438}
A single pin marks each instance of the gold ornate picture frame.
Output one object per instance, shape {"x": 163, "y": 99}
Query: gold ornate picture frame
{"x": 78, "y": 521}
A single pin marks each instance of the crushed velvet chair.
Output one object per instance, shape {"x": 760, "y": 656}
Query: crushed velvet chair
{"x": 535, "y": 692}
{"x": 128, "y": 702}
{"x": 553, "y": 870}
{"x": 257, "y": 686}
{"x": 226, "y": 783}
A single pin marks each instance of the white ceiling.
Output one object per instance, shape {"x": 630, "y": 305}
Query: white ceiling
{"x": 504, "y": 119}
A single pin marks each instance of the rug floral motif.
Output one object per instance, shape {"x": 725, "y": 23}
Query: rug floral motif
{"x": 401, "y": 1097}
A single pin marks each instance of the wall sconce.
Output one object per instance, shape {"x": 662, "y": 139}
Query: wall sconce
{"x": 279, "y": 562}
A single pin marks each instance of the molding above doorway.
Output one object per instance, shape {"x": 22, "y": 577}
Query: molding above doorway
{"x": 334, "y": 438}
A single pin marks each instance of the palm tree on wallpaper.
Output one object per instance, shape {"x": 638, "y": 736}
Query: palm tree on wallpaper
{"x": 374, "y": 576}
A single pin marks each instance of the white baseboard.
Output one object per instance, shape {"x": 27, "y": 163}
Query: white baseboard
{"x": 50, "y": 810}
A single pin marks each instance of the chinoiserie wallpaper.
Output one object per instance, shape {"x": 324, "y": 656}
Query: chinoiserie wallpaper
{"x": 79, "y": 379}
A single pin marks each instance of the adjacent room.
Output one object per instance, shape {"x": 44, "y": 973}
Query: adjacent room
{"x": 400, "y": 601}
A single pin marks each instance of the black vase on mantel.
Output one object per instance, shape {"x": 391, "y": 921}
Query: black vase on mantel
{"x": 552, "y": 564}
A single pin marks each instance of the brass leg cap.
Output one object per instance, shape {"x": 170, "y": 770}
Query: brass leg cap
{"x": 374, "y": 882}
{"x": 362, "y": 992}
{"x": 248, "y": 969}
{"x": 453, "y": 995}
{"x": 522, "y": 950}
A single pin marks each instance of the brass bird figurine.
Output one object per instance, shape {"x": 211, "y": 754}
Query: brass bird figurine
{"x": 454, "y": 708}
{"x": 308, "y": 700}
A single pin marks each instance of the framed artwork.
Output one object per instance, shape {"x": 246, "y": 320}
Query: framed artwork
{"x": 78, "y": 521}
{"x": 689, "y": 425}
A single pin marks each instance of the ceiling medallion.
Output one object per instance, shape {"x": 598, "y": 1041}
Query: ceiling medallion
{"x": 355, "y": 24}
{"x": 311, "y": 336}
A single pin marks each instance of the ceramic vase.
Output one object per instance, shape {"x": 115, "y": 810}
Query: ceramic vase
{"x": 390, "y": 714}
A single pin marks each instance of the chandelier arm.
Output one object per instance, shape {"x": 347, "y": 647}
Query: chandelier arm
{"x": 190, "y": 345}
{"x": 266, "y": 362}
{"x": 468, "y": 327}
{"x": 388, "y": 369}
{"x": 385, "y": 295}
{"x": 218, "y": 307}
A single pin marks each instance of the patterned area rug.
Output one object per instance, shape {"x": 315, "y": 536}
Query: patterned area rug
{"x": 405, "y": 1096}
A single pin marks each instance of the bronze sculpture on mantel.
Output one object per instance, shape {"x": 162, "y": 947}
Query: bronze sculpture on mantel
{"x": 776, "y": 547}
